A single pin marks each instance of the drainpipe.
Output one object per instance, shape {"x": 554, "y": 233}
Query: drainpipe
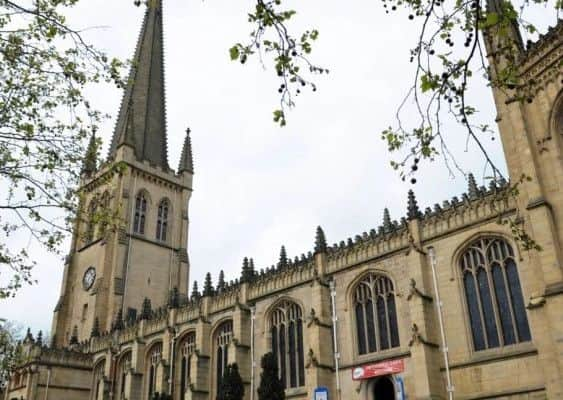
{"x": 172, "y": 363}
{"x": 129, "y": 244}
{"x": 48, "y": 382}
{"x": 439, "y": 306}
{"x": 252, "y": 362}
{"x": 334, "y": 336}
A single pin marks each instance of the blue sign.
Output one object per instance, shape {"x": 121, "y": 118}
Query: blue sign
{"x": 321, "y": 393}
{"x": 400, "y": 385}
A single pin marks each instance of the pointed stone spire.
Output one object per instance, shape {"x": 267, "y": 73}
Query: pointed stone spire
{"x": 282, "y": 263}
{"x": 89, "y": 164}
{"x": 141, "y": 123}
{"x": 221, "y": 281}
{"x": 39, "y": 339}
{"x": 95, "y": 328}
{"x": 251, "y": 267}
{"x": 146, "y": 309}
{"x": 28, "y": 337}
{"x": 208, "y": 285}
{"x": 320, "y": 241}
{"x": 186, "y": 159}
{"x": 413, "y": 211}
{"x": 387, "y": 225}
{"x": 472, "y": 188}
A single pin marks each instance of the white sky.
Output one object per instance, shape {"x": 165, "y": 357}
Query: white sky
{"x": 258, "y": 186}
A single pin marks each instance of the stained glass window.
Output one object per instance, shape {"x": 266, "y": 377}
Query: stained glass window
{"x": 287, "y": 343}
{"x": 376, "y": 314}
{"x": 493, "y": 294}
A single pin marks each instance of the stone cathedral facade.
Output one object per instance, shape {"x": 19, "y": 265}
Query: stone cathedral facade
{"x": 360, "y": 318}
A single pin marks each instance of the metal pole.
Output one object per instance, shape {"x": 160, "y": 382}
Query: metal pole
{"x": 252, "y": 362}
{"x": 334, "y": 337}
{"x": 48, "y": 382}
{"x": 439, "y": 307}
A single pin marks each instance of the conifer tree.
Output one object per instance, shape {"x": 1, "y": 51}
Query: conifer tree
{"x": 231, "y": 387}
{"x": 271, "y": 387}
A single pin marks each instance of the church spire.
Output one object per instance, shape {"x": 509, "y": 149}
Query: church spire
{"x": 141, "y": 123}
{"x": 186, "y": 159}
{"x": 505, "y": 11}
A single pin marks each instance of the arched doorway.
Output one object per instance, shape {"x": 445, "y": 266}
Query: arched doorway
{"x": 384, "y": 389}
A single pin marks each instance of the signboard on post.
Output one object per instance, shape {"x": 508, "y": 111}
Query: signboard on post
{"x": 321, "y": 393}
{"x": 382, "y": 368}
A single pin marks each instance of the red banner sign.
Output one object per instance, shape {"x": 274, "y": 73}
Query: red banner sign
{"x": 382, "y": 368}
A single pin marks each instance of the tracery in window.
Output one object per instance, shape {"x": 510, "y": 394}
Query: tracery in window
{"x": 139, "y": 218}
{"x": 104, "y": 204}
{"x": 162, "y": 220}
{"x": 98, "y": 378}
{"x": 286, "y": 324}
{"x": 153, "y": 360}
{"x": 493, "y": 294}
{"x": 187, "y": 349}
{"x": 223, "y": 339}
{"x": 123, "y": 368}
{"x": 376, "y": 314}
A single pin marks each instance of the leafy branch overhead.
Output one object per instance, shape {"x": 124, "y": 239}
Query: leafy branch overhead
{"x": 45, "y": 124}
{"x": 289, "y": 53}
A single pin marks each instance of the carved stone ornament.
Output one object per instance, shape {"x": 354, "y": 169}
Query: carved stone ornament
{"x": 414, "y": 291}
{"x": 311, "y": 359}
{"x": 417, "y": 338}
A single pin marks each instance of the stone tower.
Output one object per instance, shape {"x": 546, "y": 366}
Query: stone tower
{"x": 530, "y": 121}
{"x": 110, "y": 270}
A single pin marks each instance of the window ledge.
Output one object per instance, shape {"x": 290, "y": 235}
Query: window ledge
{"x": 295, "y": 392}
{"x": 498, "y": 354}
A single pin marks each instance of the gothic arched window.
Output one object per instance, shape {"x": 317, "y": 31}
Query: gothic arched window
{"x": 153, "y": 360}
{"x": 122, "y": 369}
{"x": 493, "y": 294}
{"x": 376, "y": 314}
{"x": 98, "y": 378}
{"x": 287, "y": 343}
{"x": 187, "y": 348}
{"x": 140, "y": 214}
{"x": 91, "y": 224}
{"x": 162, "y": 220}
{"x": 223, "y": 339}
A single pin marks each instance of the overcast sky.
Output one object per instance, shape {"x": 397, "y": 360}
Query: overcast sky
{"x": 258, "y": 186}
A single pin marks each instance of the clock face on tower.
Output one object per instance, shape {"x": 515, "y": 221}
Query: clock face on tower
{"x": 89, "y": 278}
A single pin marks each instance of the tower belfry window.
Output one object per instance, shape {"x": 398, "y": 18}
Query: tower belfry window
{"x": 162, "y": 220}
{"x": 139, "y": 219}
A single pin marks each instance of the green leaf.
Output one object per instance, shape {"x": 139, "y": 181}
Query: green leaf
{"x": 234, "y": 53}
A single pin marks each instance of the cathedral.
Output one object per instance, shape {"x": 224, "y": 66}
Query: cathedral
{"x": 444, "y": 303}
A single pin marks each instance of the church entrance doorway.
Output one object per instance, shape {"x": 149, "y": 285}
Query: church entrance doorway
{"x": 384, "y": 389}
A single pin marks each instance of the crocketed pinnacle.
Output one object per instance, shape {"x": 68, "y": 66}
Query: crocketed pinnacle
{"x": 141, "y": 123}
{"x": 221, "y": 281}
{"x": 74, "y": 335}
{"x": 90, "y": 159}
{"x": 283, "y": 262}
{"x": 208, "y": 285}
{"x": 320, "y": 241}
{"x": 472, "y": 188}
{"x": 387, "y": 225}
{"x": 186, "y": 159}
{"x": 146, "y": 309}
{"x": 95, "y": 328}
{"x": 413, "y": 211}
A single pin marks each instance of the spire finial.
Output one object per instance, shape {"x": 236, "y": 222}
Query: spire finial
{"x": 320, "y": 241}
{"x": 413, "y": 212}
{"x": 195, "y": 292}
{"x": 186, "y": 158}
